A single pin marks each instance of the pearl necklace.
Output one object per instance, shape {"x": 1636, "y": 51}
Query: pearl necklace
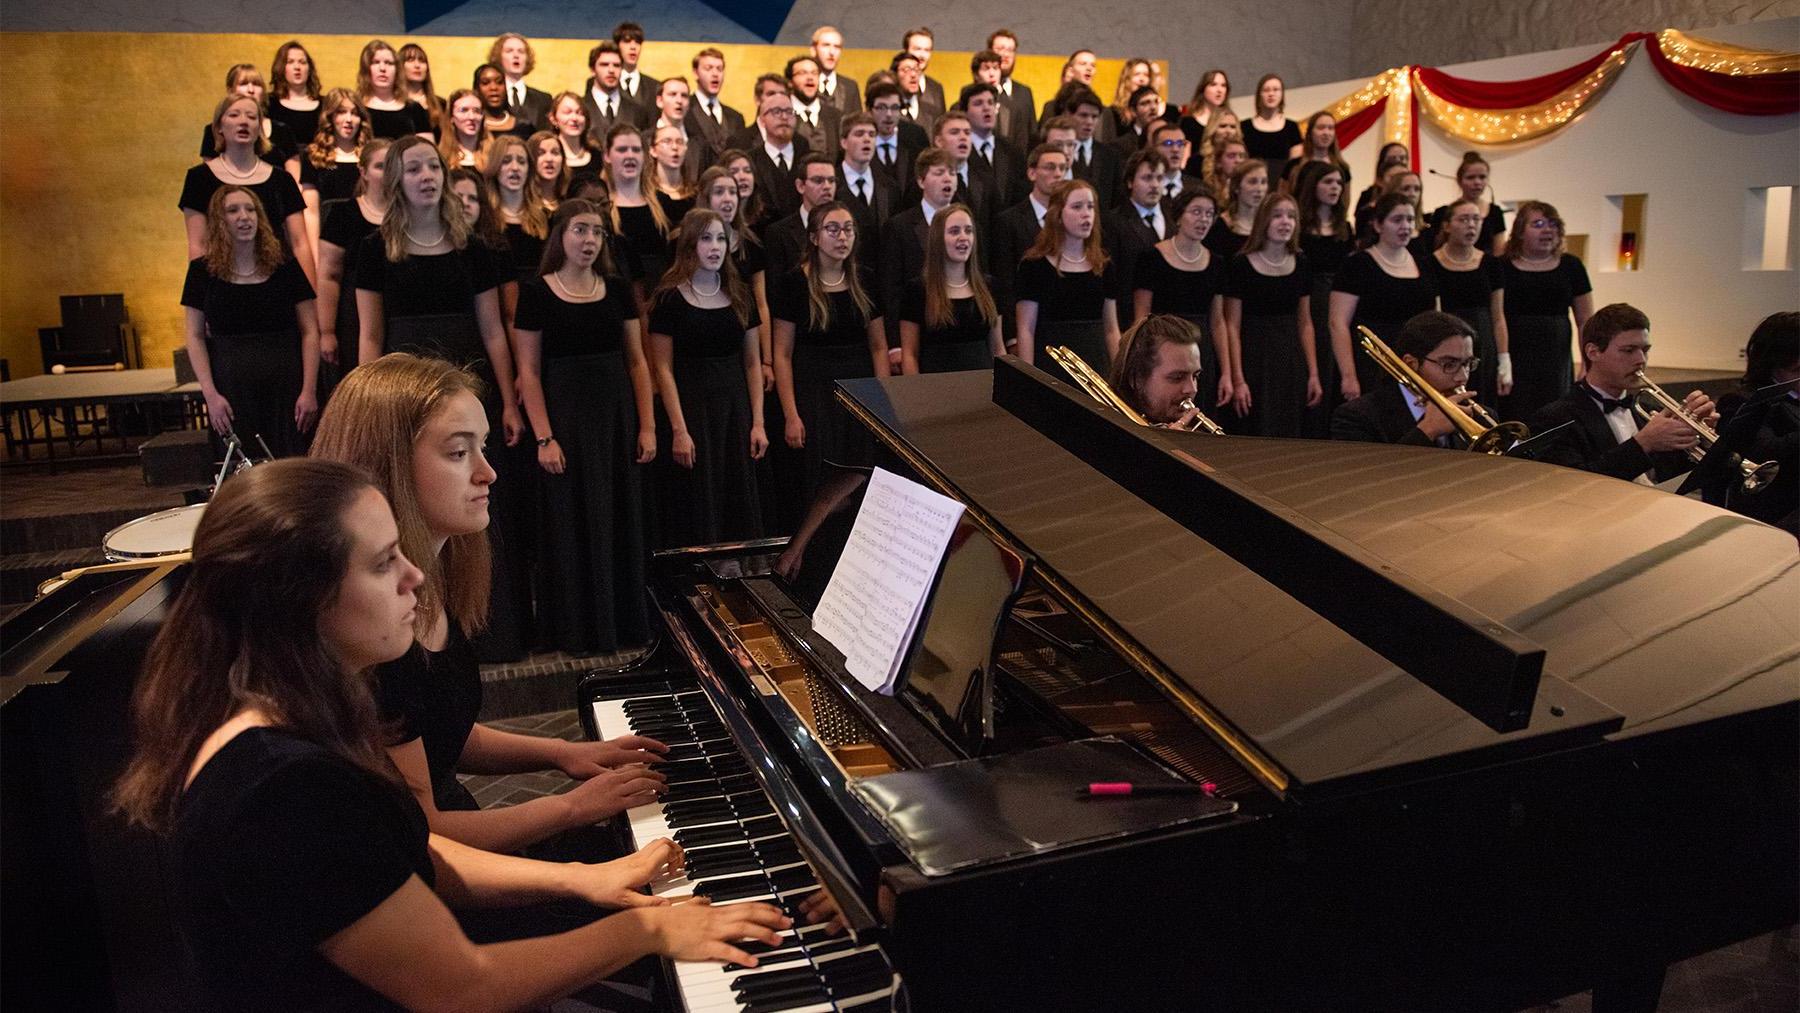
{"x": 830, "y": 282}
{"x": 1184, "y": 258}
{"x": 1275, "y": 265}
{"x": 420, "y": 243}
{"x": 593, "y": 290}
{"x": 1376, "y": 252}
{"x": 707, "y": 295}
{"x": 232, "y": 170}
{"x": 1474, "y": 256}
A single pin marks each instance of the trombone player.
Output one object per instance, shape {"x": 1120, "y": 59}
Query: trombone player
{"x": 1440, "y": 348}
{"x": 1157, "y": 370}
{"x": 1607, "y": 436}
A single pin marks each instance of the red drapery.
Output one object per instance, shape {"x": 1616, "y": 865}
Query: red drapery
{"x": 1351, "y": 127}
{"x": 1513, "y": 94}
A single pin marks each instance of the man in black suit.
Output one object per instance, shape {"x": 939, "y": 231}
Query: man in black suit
{"x": 1605, "y": 437}
{"x": 629, "y": 37}
{"x": 712, "y": 120}
{"x": 673, "y": 101}
{"x": 1143, "y": 219}
{"x": 1016, "y": 228}
{"x": 512, "y": 53}
{"x": 1145, "y": 105}
{"x": 1173, "y": 142}
{"x": 918, "y": 43}
{"x": 903, "y": 236}
{"x": 774, "y": 151}
{"x": 915, "y": 104}
{"x": 994, "y": 156}
{"x": 1095, "y": 161}
{"x": 954, "y": 135}
{"x": 840, "y": 92}
{"x": 897, "y": 141}
{"x": 786, "y": 239}
{"x": 1441, "y": 349}
{"x": 1020, "y": 118}
{"x": 814, "y": 118}
{"x": 603, "y": 101}
{"x": 869, "y": 194}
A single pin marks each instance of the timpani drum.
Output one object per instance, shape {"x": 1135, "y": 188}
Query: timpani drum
{"x": 164, "y": 533}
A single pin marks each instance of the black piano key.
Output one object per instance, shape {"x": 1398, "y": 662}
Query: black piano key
{"x": 700, "y": 837}
{"x": 732, "y": 889}
{"x": 760, "y": 826}
{"x": 827, "y": 946}
{"x": 776, "y": 1005}
{"x": 703, "y": 870}
{"x": 881, "y": 1004}
{"x": 774, "y": 980}
{"x": 771, "y": 959}
{"x": 792, "y": 879}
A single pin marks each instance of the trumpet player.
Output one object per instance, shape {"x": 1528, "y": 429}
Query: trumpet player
{"x": 1157, "y": 370}
{"x": 1441, "y": 349}
{"x": 1607, "y": 436}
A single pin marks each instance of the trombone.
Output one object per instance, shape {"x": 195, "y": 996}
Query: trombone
{"x": 1473, "y": 422}
{"x": 1101, "y": 391}
{"x": 1756, "y": 477}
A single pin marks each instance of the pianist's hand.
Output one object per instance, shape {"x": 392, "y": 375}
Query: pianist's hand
{"x": 608, "y": 794}
{"x": 698, "y": 931}
{"x": 819, "y": 907}
{"x": 582, "y": 760}
{"x": 615, "y": 884}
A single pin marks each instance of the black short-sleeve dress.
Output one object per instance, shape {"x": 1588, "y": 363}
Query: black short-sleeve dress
{"x": 523, "y": 256}
{"x": 1324, "y": 255}
{"x": 253, "y": 344}
{"x": 1540, "y": 330}
{"x": 648, "y": 246}
{"x": 1384, "y": 304}
{"x": 591, "y": 545}
{"x": 336, "y": 182}
{"x": 434, "y": 696}
{"x": 718, "y": 499}
{"x": 279, "y": 845}
{"x": 961, "y": 344}
{"x": 301, "y": 124}
{"x": 1070, "y": 306}
{"x": 1271, "y": 146}
{"x": 279, "y": 194}
{"x": 411, "y": 118}
{"x": 1187, "y": 293}
{"x": 1269, "y": 326}
{"x": 1467, "y": 293}
{"x": 345, "y": 227}
{"x": 823, "y": 355}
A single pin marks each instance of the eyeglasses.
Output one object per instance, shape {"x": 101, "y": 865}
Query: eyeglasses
{"x": 1455, "y": 366}
{"x": 885, "y": 107}
{"x": 783, "y": 113}
{"x": 1545, "y": 223}
{"x": 835, "y": 230}
{"x": 1172, "y": 143}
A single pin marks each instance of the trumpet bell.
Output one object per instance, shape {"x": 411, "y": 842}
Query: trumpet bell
{"x": 1500, "y": 438}
{"x": 1758, "y": 476}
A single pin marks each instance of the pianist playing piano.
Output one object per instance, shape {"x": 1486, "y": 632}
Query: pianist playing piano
{"x": 417, "y": 425}
{"x": 305, "y": 875}
{"x": 1157, "y": 370}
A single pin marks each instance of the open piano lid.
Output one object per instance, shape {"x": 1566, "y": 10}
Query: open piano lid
{"x": 1653, "y": 611}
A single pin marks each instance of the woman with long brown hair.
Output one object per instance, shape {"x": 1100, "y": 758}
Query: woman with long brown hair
{"x": 707, "y": 362}
{"x": 1381, "y": 288}
{"x": 1545, "y": 285}
{"x": 294, "y": 102}
{"x": 1063, "y": 294}
{"x": 1212, "y": 94}
{"x": 331, "y": 165}
{"x": 1248, "y": 188}
{"x": 379, "y": 88}
{"x": 827, "y": 328}
{"x": 303, "y": 875}
{"x": 1467, "y": 279}
{"x": 587, "y": 390}
{"x": 1275, "y": 370}
{"x": 1472, "y": 179}
{"x": 347, "y": 224}
{"x": 569, "y": 121}
{"x": 1270, "y": 135}
{"x": 418, "y": 426}
{"x": 1327, "y": 240}
{"x": 549, "y": 173}
{"x": 415, "y": 80}
{"x": 252, "y": 332}
{"x": 636, "y": 215}
{"x": 1318, "y": 144}
{"x": 465, "y": 134}
{"x": 1180, "y": 276}
{"x": 717, "y": 190}
{"x": 237, "y": 132}
{"x": 948, "y": 318}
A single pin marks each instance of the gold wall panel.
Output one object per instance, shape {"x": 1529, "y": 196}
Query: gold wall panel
{"x": 100, "y": 128}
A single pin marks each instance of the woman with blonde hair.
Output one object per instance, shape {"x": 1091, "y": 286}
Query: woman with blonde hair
{"x": 948, "y": 318}
{"x": 281, "y": 145}
{"x": 379, "y": 88}
{"x": 330, "y": 168}
{"x": 465, "y": 134}
{"x": 588, "y": 393}
{"x": 252, "y": 333}
{"x": 1064, "y": 294}
{"x": 673, "y": 187}
{"x": 237, "y": 132}
{"x": 303, "y": 875}
{"x": 707, "y": 362}
{"x": 1211, "y": 95}
{"x": 1136, "y": 72}
{"x": 718, "y": 191}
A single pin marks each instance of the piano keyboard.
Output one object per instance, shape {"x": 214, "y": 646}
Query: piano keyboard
{"x": 738, "y": 851}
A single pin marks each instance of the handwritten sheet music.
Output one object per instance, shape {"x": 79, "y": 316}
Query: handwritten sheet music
{"x": 872, "y": 605}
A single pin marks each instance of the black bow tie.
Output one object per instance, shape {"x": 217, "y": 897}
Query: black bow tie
{"x": 1609, "y": 404}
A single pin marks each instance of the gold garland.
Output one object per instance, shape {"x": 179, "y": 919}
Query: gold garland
{"x": 1510, "y": 126}
{"x": 1723, "y": 58}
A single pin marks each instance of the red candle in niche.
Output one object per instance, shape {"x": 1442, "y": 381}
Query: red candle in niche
{"x": 1627, "y": 251}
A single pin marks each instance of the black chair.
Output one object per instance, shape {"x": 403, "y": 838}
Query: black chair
{"x": 96, "y": 331}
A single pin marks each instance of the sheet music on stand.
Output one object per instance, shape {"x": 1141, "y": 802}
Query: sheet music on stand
{"x": 872, "y": 605}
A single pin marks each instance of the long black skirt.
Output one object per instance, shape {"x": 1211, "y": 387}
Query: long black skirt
{"x": 1543, "y": 367}
{"x": 718, "y": 499}
{"x": 1486, "y": 380}
{"x": 260, "y": 375}
{"x": 349, "y": 348}
{"x": 831, "y": 435}
{"x": 1275, "y": 369}
{"x": 512, "y": 500}
{"x": 591, "y": 549}
{"x": 1086, "y": 338}
{"x": 955, "y": 356}
{"x": 1315, "y": 423}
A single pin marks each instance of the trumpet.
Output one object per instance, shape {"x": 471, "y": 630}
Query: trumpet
{"x": 1486, "y": 435}
{"x": 1756, "y": 476}
{"x": 1097, "y": 388}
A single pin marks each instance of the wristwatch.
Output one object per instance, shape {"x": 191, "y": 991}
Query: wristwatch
{"x": 546, "y": 441}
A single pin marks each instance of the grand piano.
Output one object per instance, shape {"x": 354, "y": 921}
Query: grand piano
{"x": 1477, "y": 733}
{"x": 1474, "y": 733}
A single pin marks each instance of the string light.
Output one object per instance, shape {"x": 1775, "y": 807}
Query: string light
{"x": 1721, "y": 58}
{"x": 1509, "y": 126}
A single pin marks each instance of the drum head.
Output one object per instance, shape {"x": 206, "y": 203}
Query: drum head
{"x": 159, "y": 534}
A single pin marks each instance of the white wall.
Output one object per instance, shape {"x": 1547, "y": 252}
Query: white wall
{"x": 1694, "y": 163}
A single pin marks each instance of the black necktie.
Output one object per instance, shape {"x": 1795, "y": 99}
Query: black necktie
{"x": 887, "y": 153}
{"x": 781, "y": 163}
{"x": 712, "y": 109}
{"x": 610, "y": 105}
{"x": 1170, "y": 188}
{"x": 1150, "y": 220}
{"x": 859, "y": 191}
{"x": 987, "y": 152}
{"x": 1081, "y": 159}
